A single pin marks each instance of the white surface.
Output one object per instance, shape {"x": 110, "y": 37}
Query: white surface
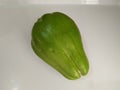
{"x": 21, "y": 69}
{"x": 101, "y": 2}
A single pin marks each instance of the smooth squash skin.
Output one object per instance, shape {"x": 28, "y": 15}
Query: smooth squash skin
{"x": 56, "y": 40}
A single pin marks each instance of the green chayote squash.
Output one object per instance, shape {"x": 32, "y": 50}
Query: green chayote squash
{"x": 56, "y": 40}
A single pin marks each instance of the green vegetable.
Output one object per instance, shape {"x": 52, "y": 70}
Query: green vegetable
{"x": 56, "y": 40}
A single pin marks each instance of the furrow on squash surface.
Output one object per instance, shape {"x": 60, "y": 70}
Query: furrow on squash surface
{"x": 68, "y": 70}
{"x": 81, "y": 60}
{"x": 53, "y": 64}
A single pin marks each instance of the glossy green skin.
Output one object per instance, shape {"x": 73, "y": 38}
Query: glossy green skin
{"x": 56, "y": 40}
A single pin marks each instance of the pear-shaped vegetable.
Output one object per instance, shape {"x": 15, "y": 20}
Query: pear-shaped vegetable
{"x": 56, "y": 40}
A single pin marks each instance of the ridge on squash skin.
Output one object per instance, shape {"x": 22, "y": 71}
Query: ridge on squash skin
{"x": 56, "y": 40}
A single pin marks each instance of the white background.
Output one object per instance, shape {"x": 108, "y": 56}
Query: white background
{"x": 21, "y": 69}
{"x": 105, "y": 2}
